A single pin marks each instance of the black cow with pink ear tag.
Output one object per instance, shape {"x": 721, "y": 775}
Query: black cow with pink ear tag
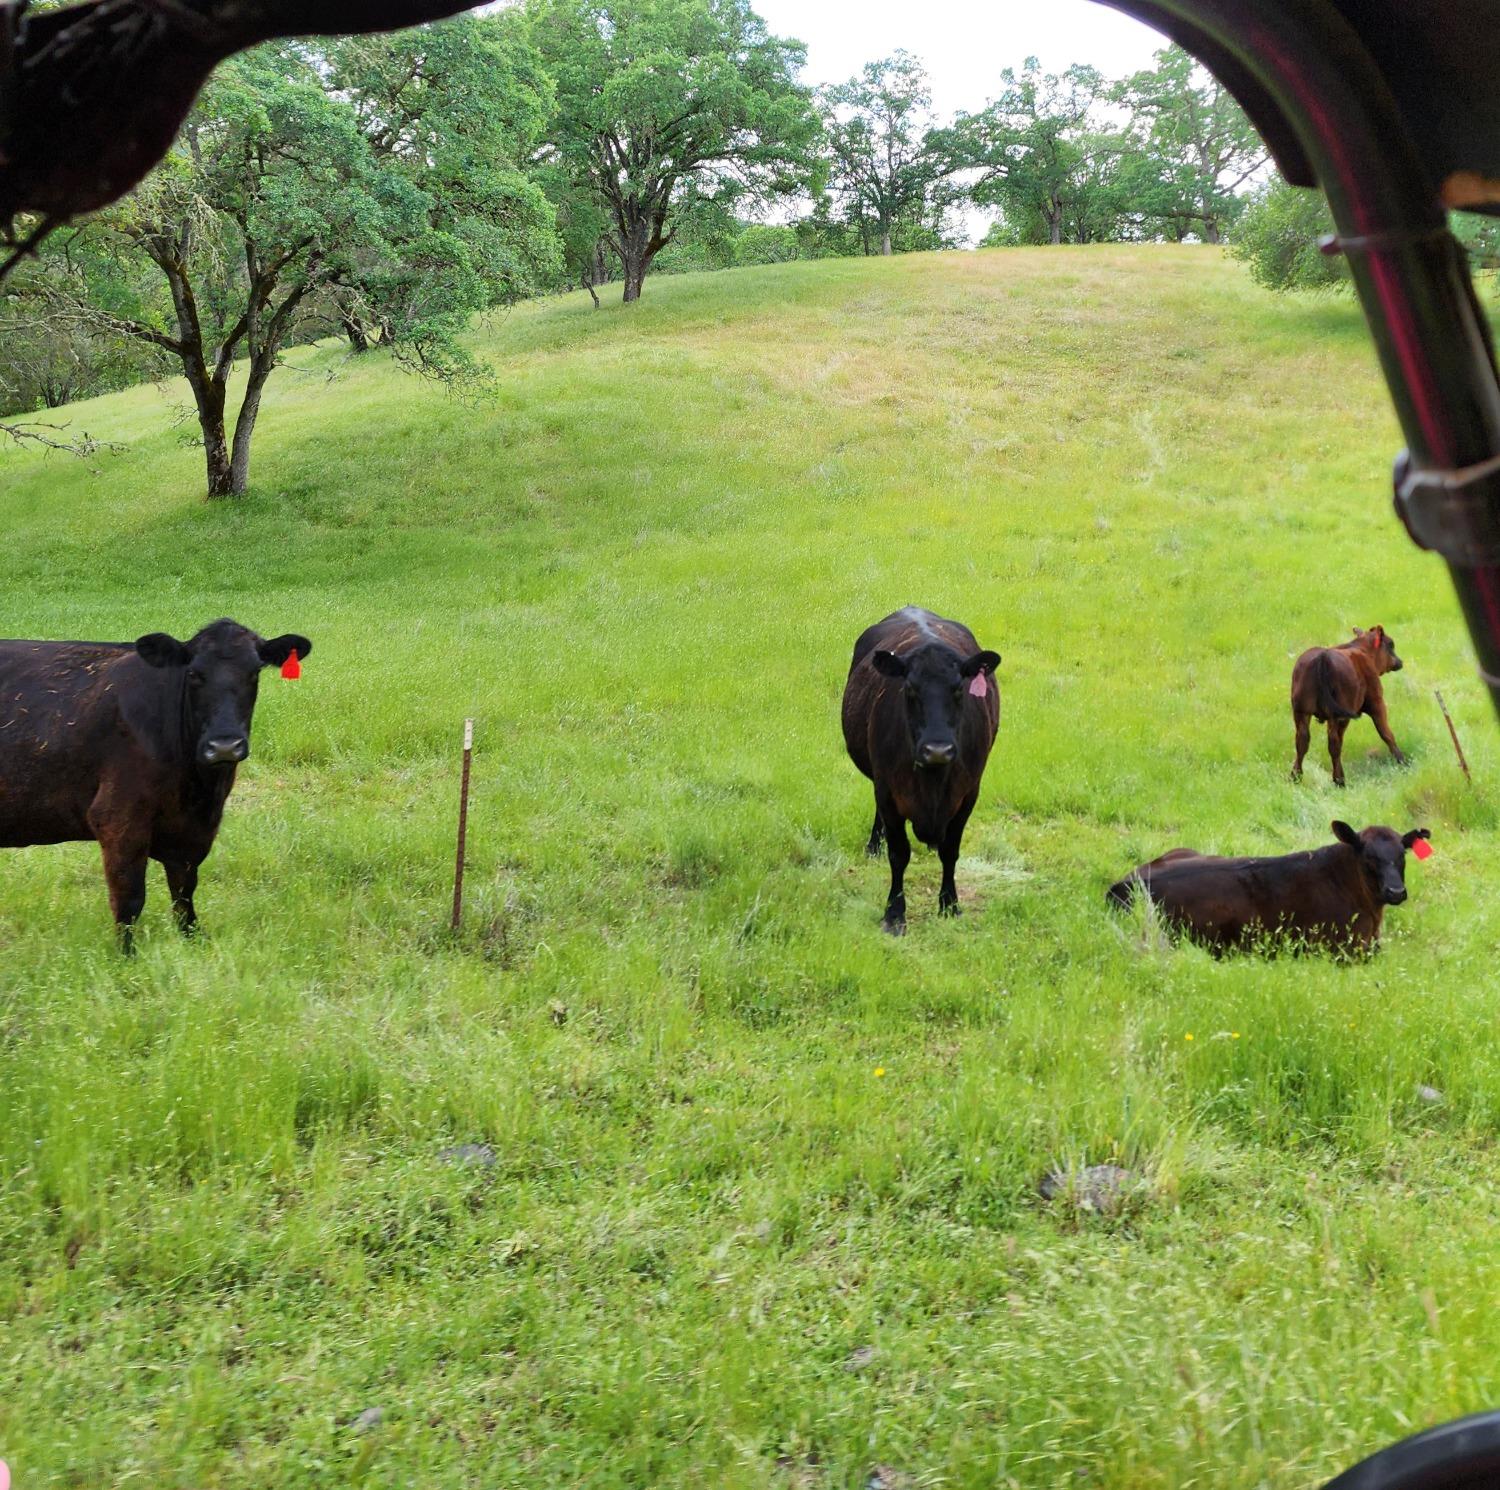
{"x": 921, "y": 711}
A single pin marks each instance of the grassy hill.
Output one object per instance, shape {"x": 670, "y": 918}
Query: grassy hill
{"x": 764, "y": 1207}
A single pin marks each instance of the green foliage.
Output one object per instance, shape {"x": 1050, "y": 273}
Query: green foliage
{"x": 1193, "y": 148}
{"x": 1278, "y": 236}
{"x": 767, "y": 243}
{"x": 44, "y": 364}
{"x": 715, "y": 1249}
{"x": 886, "y": 164}
{"x": 1043, "y": 156}
{"x": 453, "y": 112}
{"x": 703, "y": 235}
{"x": 663, "y": 101}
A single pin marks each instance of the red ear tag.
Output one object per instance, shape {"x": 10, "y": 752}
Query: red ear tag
{"x": 1422, "y": 849}
{"x": 977, "y": 685}
{"x": 291, "y": 668}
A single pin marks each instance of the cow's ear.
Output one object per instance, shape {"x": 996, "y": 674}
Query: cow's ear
{"x": 274, "y": 653}
{"x": 160, "y": 650}
{"x": 1407, "y": 839}
{"x": 979, "y": 662}
{"x": 1378, "y": 632}
{"x": 889, "y": 664}
{"x": 1345, "y": 834}
{"x": 1359, "y": 631}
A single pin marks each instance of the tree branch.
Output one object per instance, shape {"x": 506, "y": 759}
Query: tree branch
{"x": 83, "y": 446}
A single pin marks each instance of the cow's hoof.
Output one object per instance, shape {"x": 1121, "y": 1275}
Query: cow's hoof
{"x": 893, "y": 928}
{"x": 950, "y": 910}
{"x": 1296, "y": 775}
{"x": 872, "y": 848}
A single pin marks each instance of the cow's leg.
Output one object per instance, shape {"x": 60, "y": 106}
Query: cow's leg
{"x": 948, "y": 853}
{"x": 124, "y": 851}
{"x": 1376, "y": 711}
{"x": 899, "y": 849}
{"x": 1304, "y": 735}
{"x": 877, "y": 833}
{"x": 182, "y": 881}
{"x": 1336, "y": 728}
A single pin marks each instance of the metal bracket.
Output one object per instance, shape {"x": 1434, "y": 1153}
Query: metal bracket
{"x": 1453, "y": 513}
{"x": 1330, "y": 245}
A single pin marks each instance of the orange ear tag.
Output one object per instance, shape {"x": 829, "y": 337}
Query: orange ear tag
{"x": 291, "y": 668}
{"x": 1422, "y": 849}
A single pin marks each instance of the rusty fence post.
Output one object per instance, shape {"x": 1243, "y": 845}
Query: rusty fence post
{"x": 463, "y": 826}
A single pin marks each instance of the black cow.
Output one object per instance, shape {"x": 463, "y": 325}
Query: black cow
{"x": 1331, "y": 897}
{"x": 133, "y": 744}
{"x": 921, "y": 708}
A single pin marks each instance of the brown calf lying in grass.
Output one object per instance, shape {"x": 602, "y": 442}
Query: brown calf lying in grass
{"x": 1330, "y": 897}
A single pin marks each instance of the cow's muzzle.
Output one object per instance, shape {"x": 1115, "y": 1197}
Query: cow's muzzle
{"x": 229, "y": 751}
{"x": 1395, "y": 897}
{"x": 931, "y": 756}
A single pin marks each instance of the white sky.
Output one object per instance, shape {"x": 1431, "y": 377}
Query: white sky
{"x": 964, "y": 43}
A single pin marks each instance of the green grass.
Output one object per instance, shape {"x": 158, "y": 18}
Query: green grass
{"x": 719, "y": 1249}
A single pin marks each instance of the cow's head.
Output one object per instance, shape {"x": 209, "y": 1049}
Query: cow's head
{"x": 1381, "y": 647}
{"x": 1382, "y": 858}
{"x": 220, "y": 675}
{"x": 935, "y": 687}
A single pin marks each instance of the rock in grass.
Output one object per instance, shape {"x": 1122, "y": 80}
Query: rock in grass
{"x": 371, "y": 1417}
{"x": 1430, "y": 1094}
{"x": 883, "y": 1477}
{"x": 1102, "y": 1189}
{"x": 859, "y": 1358}
{"x": 474, "y": 1155}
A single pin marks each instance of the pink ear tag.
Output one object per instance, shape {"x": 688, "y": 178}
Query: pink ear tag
{"x": 977, "y": 685}
{"x": 1422, "y": 849}
{"x": 4, "y": 1476}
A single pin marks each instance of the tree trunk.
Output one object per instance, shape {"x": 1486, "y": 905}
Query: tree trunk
{"x": 216, "y": 449}
{"x": 359, "y": 338}
{"x": 208, "y": 394}
{"x": 597, "y": 273}
{"x": 1211, "y": 230}
{"x": 634, "y": 262}
{"x": 885, "y": 242}
{"x": 244, "y": 429}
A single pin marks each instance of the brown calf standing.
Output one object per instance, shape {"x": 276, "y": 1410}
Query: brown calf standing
{"x": 1337, "y": 684}
{"x": 1331, "y": 897}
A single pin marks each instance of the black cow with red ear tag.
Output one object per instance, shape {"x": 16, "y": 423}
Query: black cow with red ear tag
{"x": 132, "y": 744}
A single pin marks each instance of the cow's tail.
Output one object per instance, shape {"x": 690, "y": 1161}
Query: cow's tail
{"x": 1328, "y": 705}
{"x": 1122, "y": 892}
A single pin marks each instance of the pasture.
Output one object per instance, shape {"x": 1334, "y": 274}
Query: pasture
{"x": 764, "y": 1210}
